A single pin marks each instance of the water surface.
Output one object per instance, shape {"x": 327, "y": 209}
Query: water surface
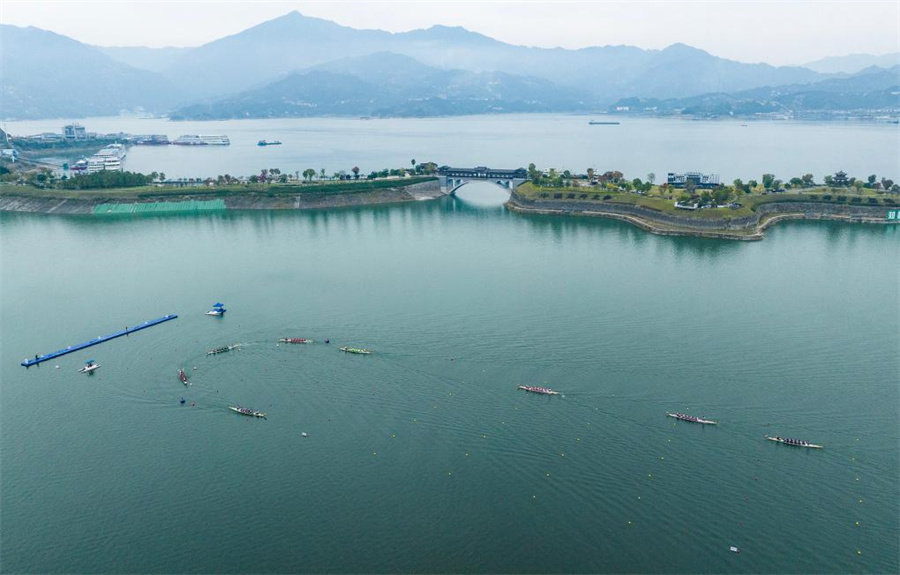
{"x": 424, "y": 457}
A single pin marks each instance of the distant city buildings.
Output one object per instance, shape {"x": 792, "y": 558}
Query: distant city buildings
{"x": 74, "y": 132}
{"x": 698, "y": 179}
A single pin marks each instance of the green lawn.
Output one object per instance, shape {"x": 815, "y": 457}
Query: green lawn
{"x": 658, "y": 201}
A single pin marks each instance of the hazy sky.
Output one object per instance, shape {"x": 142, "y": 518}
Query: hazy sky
{"x": 749, "y": 31}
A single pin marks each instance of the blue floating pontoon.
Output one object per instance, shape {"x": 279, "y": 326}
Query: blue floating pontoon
{"x": 72, "y": 348}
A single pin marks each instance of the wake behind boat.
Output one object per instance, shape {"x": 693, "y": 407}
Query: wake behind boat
{"x": 223, "y": 349}
{"x": 690, "y": 418}
{"x": 538, "y": 389}
{"x": 89, "y": 366}
{"x": 794, "y": 442}
{"x": 246, "y": 411}
{"x": 359, "y": 350}
{"x": 295, "y": 340}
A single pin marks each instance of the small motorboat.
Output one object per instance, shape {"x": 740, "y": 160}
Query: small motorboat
{"x": 89, "y": 366}
{"x": 794, "y": 442}
{"x": 359, "y": 350}
{"x": 223, "y": 349}
{"x": 218, "y": 310}
{"x": 538, "y": 389}
{"x": 183, "y": 377}
{"x": 268, "y": 143}
{"x": 691, "y": 418}
{"x": 246, "y": 411}
{"x": 295, "y": 340}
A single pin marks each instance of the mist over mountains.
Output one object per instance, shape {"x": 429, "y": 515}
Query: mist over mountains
{"x": 300, "y": 66}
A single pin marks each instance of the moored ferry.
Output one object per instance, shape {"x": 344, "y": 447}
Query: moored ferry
{"x": 201, "y": 140}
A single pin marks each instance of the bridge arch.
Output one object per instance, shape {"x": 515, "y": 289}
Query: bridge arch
{"x": 452, "y": 179}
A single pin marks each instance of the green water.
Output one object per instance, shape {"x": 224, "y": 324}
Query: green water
{"x": 424, "y": 457}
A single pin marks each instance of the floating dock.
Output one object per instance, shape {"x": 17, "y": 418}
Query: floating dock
{"x": 72, "y": 348}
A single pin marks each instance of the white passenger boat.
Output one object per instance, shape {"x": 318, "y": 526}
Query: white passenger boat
{"x": 218, "y": 309}
{"x": 89, "y": 366}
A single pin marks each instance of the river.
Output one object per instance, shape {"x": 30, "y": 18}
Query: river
{"x": 424, "y": 457}
{"x": 730, "y": 148}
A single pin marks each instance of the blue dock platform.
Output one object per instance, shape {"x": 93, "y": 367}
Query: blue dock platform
{"x": 73, "y": 348}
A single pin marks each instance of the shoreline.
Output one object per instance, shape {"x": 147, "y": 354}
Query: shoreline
{"x": 746, "y": 228}
{"x": 36, "y": 202}
{"x": 742, "y": 228}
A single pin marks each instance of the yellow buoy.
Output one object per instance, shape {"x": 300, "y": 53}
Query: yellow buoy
{"x": 857, "y": 523}
{"x": 858, "y": 552}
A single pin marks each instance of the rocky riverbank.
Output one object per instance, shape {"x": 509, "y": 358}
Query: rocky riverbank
{"x": 36, "y": 201}
{"x": 746, "y": 228}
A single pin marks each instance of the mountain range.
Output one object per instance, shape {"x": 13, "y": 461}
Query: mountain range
{"x": 873, "y": 90}
{"x": 295, "y": 65}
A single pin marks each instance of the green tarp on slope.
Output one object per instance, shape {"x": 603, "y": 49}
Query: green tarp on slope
{"x": 160, "y": 207}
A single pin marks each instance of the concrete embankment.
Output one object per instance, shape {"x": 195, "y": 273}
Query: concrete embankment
{"x": 746, "y": 228}
{"x": 33, "y": 202}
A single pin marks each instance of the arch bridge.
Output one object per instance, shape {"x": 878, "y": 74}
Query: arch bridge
{"x": 452, "y": 178}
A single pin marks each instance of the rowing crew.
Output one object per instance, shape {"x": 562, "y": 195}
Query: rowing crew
{"x": 790, "y": 441}
{"x": 538, "y": 389}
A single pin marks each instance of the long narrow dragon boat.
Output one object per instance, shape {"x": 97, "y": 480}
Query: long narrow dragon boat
{"x": 357, "y": 350}
{"x": 794, "y": 442}
{"x": 690, "y": 418}
{"x": 223, "y": 349}
{"x": 295, "y": 340}
{"x": 538, "y": 389}
{"x": 246, "y": 411}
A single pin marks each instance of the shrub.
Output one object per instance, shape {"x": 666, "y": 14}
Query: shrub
{"x": 583, "y": 196}
{"x": 889, "y": 201}
{"x": 557, "y": 196}
{"x": 826, "y": 197}
{"x": 545, "y": 195}
{"x": 595, "y": 197}
{"x": 873, "y": 200}
{"x": 570, "y": 196}
{"x": 607, "y": 197}
{"x": 856, "y": 200}
{"x": 842, "y": 198}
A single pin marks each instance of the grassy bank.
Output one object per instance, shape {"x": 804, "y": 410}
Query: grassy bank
{"x": 202, "y": 191}
{"x": 660, "y": 200}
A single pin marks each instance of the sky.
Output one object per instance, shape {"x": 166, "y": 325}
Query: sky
{"x": 775, "y": 32}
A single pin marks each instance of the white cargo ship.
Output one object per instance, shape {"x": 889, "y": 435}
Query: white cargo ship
{"x": 200, "y": 140}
